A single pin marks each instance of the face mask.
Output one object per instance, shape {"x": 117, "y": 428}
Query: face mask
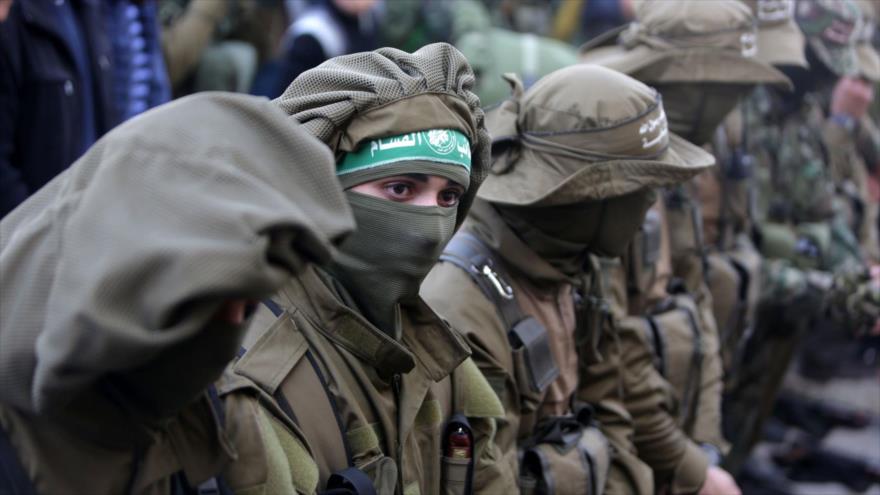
{"x": 392, "y": 250}
{"x": 694, "y": 110}
{"x": 565, "y": 235}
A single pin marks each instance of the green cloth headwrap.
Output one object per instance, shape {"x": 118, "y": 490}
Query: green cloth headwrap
{"x": 443, "y": 152}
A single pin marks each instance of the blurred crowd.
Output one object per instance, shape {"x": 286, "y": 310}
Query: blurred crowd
{"x": 72, "y": 69}
{"x": 765, "y": 264}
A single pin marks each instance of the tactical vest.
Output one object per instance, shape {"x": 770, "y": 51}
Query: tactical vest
{"x": 563, "y": 455}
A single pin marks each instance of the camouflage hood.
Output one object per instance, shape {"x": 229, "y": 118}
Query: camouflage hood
{"x": 349, "y": 100}
{"x": 688, "y": 41}
{"x": 119, "y": 263}
{"x": 583, "y": 133}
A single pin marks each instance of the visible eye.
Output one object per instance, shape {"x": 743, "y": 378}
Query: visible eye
{"x": 449, "y": 197}
{"x": 399, "y": 191}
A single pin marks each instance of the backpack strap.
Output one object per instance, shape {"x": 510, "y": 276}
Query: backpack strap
{"x": 470, "y": 254}
{"x": 312, "y": 413}
{"x": 13, "y": 478}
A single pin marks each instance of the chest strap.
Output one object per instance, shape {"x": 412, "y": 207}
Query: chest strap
{"x": 524, "y": 332}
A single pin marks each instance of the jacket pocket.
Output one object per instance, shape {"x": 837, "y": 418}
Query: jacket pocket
{"x": 455, "y": 474}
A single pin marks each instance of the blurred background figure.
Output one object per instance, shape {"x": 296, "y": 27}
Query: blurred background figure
{"x": 218, "y": 45}
{"x": 56, "y": 91}
{"x": 323, "y": 30}
{"x": 139, "y": 78}
{"x": 578, "y": 21}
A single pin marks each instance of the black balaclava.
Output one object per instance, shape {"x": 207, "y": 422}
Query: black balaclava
{"x": 565, "y": 235}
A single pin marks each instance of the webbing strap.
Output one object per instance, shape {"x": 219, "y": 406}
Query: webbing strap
{"x": 311, "y": 414}
{"x": 349, "y": 481}
{"x": 470, "y": 254}
{"x": 13, "y": 478}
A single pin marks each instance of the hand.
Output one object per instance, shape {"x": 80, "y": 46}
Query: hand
{"x": 5, "y": 5}
{"x": 719, "y": 482}
{"x": 851, "y": 96}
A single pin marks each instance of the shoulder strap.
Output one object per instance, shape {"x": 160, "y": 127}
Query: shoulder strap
{"x": 13, "y": 478}
{"x": 470, "y": 254}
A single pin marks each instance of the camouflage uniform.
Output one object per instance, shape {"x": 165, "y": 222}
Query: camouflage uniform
{"x": 800, "y": 228}
{"x": 706, "y": 61}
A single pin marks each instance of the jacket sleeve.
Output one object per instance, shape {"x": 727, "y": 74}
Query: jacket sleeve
{"x": 12, "y": 188}
{"x": 660, "y": 442}
{"x": 602, "y": 386}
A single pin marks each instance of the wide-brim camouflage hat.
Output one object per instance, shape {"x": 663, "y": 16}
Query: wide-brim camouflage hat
{"x": 688, "y": 41}
{"x": 583, "y": 133}
{"x": 866, "y": 54}
{"x": 780, "y": 40}
{"x": 351, "y": 100}
{"x": 831, "y": 27}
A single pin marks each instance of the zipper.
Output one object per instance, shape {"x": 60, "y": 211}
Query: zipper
{"x": 395, "y": 386}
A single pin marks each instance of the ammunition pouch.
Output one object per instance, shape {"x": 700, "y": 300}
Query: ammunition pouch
{"x": 674, "y": 332}
{"x": 567, "y": 455}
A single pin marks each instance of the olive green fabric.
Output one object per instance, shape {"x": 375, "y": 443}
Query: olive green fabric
{"x": 360, "y": 365}
{"x": 780, "y": 41}
{"x": 561, "y": 144}
{"x": 694, "y": 110}
{"x": 546, "y": 294}
{"x": 351, "y": 99}
{"x": 494, "y": 52}
{"x": 564, "y": 235}
{"x": 688, "y": 41}
{"x": 385, "y": 260}
{"x": 112, "y": 271}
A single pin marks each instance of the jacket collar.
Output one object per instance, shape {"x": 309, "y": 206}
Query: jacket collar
{"x": 426, "y": 339}
{"x": 488, "y": 225}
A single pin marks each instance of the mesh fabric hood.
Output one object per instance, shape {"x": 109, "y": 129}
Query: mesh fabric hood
{"x": 350, "y": 99}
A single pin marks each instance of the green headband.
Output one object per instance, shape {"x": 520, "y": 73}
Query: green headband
{"x": 447, "y": 146}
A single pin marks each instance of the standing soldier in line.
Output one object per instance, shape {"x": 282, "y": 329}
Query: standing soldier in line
{"x": 727, "y": 195}
{"x": 700, "y": 56}
{"x": 574, "y": 170}
{"x": 812, "y": 257}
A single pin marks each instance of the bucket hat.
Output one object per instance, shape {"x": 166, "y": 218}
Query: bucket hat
{"x": 868, "y": 58}
{"x": 583, "y": 133}
{"x": 831, "y": 27}
{"x": 780, "y": 40}
{"x": 688, "y": 41}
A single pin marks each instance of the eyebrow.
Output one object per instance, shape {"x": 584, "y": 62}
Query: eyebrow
{"x": 423, "y": 178}
{"x": 417, "y": 177}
